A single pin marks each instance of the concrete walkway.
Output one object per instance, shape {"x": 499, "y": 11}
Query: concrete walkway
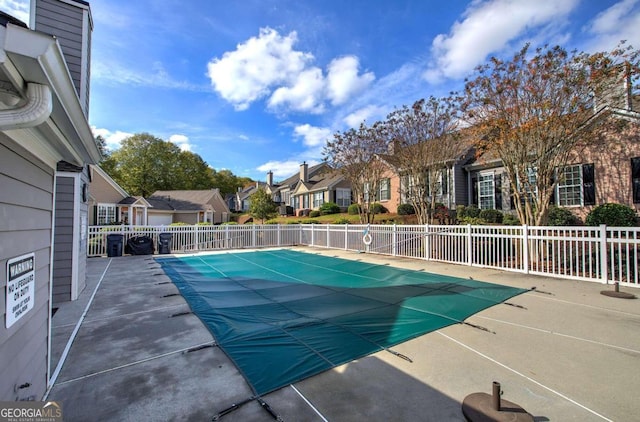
{"x": 564, "y": 353}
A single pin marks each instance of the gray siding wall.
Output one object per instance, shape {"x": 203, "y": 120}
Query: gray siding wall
{"x": 67, "y": 23}
{"x": 63, "y": 239}
{"x": 26, "y": 199}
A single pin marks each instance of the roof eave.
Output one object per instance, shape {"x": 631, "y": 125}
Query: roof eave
{"x": 29, "y": 56}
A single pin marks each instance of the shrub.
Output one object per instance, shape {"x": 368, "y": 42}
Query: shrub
{"x": 342, "y": 220}
{"x": 274, "y": 221}
{"x": 562, "y": 217}
{"x": 329, "y": 208}
{"x": 472, "y": 211}
{"x": 491, "y": 216}
{"x": 461, "y": 212}
{"x": 354, "y": 209}
{"x": 378, "y": 208}
{"x": 406, "y": 209}
{"x": 474, "y": 221}
{"x": 510, "y": 220}
{"x": 179, "y": 224}
{"x": 616, "y": 215}
{"x": 314, "y": 213}
{"x": 310, "y": 221}
{"x": 230, "y": 223}
{"x": 441, "y": 212}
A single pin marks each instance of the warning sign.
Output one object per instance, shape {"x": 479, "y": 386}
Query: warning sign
{"x": 21, "y": 287}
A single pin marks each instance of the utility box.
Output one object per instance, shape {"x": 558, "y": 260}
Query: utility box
{"x": 164, "y": 243}
{"x": 114, "y": 244}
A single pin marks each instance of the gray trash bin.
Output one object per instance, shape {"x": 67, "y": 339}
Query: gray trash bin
{"x": 164, "y": 243}
{"x": 114, "y": 244}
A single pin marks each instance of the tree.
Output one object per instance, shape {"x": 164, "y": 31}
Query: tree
{"x": 427, "y": 141}
{"x": 227, "y": 182}
{"x": 144, "y": 164}
{"x": 102, "y": 146}
{"x": 261, "y": 205}
{"x": 533, "y": 110}
{"x": 354, "y": 154}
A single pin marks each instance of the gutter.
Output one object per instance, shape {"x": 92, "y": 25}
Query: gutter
{"x": 37, "y": 109}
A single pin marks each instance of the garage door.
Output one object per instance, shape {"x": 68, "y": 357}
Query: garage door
{"x": 160, "y": 219}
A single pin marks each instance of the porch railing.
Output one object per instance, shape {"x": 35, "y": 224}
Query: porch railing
{"x": 601, "y": 254}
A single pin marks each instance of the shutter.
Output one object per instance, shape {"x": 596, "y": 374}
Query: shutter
{"x": 95, "y": 215}
{"x": 497, "y": 190}
{"x": 445, "y": 181}
{"x": 474, "y": 189}
{"x": 588, "y": 184}
{"x": 635, "y": 179}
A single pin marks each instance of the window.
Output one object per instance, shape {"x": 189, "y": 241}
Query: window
{"x": 635, "y": 179}
{"x": 305, "y": 200}
{"x": 385, "y": 189}
{"x": 486, "y": 192}
{"x": 366, "y": 192}
{"x": 343, "y": 197}
{"x": 106, "y": 214}
{"x": 318, "y": 199}
{"x": 569, "y": 190}
{"x": 295, "y": 202}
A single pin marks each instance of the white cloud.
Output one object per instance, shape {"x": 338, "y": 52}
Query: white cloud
{"x": 619, "y": 22}
{"x": 113, "y": 139}
{"x": 159, "y": 77}
{"x": 181, "y": 141}
{"x": 248, "y": 73}
{"x": 354, "y": 119}
{"x": 305, "y": 94}
{"x": 284, "y": 169}
{"x": 268, "y": 66}
{"x": 19, "y": 9}
{"x": 343, "y": 80}
{"x": 487, "y": 27}
{"x": 312, "y": 136}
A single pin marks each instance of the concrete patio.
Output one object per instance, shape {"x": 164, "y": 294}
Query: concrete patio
{"x": 564, "y": 353}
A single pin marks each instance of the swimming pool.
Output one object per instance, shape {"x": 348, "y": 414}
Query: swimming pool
{"x": 284, "y": 315}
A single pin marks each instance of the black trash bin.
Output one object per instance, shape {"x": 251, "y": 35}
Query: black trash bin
{"x": 164, "y": 243}
{"x": 114, "y": 244}
{"x": 140, "y": 245}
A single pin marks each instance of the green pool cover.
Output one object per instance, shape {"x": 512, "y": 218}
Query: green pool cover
{"x": 283, "y": 315}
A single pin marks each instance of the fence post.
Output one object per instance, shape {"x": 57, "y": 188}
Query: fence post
{"x": 469, "y": 246}
{"x": 346, "y": 237}
{"x": 525, "y": 248}
{"x": 313, "y": 233}
{"x": 226, "y": 236}
{"x": 328, "y": 236}
{"x": 604, "y": 264}
{"x": 394, "y": 241}
{"x": 196, "y": 237}
{"x": 253, "y": 235}
{"x": 279, "y": 238}
{"x": 427, "y": 243}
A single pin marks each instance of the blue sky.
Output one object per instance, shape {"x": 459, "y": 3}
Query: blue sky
{"x": 259, "y": 85}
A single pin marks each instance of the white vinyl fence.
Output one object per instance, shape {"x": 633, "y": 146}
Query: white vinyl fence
{"x": 602, "y": 254}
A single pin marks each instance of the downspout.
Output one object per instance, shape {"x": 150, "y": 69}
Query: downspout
{"x": 35, "y": 111}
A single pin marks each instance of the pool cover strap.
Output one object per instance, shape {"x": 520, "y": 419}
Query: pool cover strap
{"x": 282, "y": 316}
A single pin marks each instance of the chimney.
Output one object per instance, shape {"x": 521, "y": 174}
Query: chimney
{"x": 71, "y": 23}
{"x": 270, "y": 178}
{"x": 304, "y": 172}
{"x": 616, "y": 89}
